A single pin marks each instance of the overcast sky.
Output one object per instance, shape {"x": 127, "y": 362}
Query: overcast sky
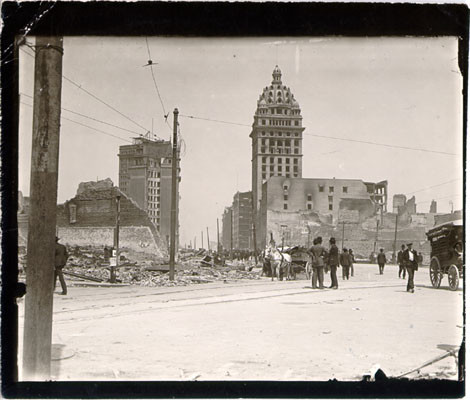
{"x": 396, "y": 91}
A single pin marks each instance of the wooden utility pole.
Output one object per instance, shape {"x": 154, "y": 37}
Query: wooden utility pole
{"x": 394, "y": 257}
{"x": 376, "y": 236}
{"x": 231, "y": 233}
{"x": 43, "y": 205}
{"x": 118, "y": 221}
{"x": 254, "y": 217}
{"x": 195, "y": 248}
{"x": 342, "y": 239}
{"x": 208, "y": 244}
{"x": 174, "y": 170}
{"x": 218, "y": 240}
{"x": 202, "y": 239}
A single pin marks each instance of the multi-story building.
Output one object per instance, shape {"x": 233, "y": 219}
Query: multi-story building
{"x": 289, "y": 204}
{"x": 237, "y": 223}
{"x": 227, "y": 232}
{"x": 276, "y": 136}
{"x": 145, "y": 176}
{"x": 242, "y": 220}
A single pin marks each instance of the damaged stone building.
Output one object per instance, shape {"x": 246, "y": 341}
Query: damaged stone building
{"x": 89, "y": 219}
{"x": 291, "y": 206}
{"x": 145, "y": 176}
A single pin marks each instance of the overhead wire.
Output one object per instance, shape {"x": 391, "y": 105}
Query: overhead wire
{"x": 86, "y": 126}
{"x": 88, "y": 117}
{"x": 214, "y": 120}
{"x": 434, "y": 186}
{"x": 97, "y": 98}
{"x": 440, "y": 198}
{"x": 165, "y": 115}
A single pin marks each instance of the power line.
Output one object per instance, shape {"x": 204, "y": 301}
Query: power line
{"x": 213, "y": 120}
{"x": 98, "y": 99}
{"x": 383, "y": 144}
{"x": 86, "y": 126}
{"x": 91, "y": 118}
{"x": 430, "y": 187}
{"x": 165, "y": 115}
{"x": 440, "y": 198}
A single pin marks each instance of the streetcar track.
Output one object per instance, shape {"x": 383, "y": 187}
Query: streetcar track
{"x": 134, "y": 311}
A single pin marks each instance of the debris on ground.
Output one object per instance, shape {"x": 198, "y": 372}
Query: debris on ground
{"x": 87, "y": 263}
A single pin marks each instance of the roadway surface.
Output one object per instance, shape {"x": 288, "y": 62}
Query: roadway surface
{"x": 256, "y": 330}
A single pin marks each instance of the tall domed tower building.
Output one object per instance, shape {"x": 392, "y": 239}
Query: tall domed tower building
{"x": 276, "y": 136}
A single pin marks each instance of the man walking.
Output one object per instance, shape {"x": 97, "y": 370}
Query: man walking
{"x": 345, "y": 262}
{"x": 61, "y": 256}
{"x": 410, "y": 258}
{"x": 317, "y": 252}
{"x": 351, "y": 260}
{"x": 333, "y": 261}
{"x": 401, "y": 264}
{"x": 381, "y": 260}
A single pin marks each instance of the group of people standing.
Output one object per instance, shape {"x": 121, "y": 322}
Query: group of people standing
{"x": 323, "y": 260}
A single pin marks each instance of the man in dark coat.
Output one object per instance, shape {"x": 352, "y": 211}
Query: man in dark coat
{"x": 61, "y": 256}
{"x": 345, "y": 261}
{"x": 410, "y": 258}
{"x": 401, "y": 264}
{"x": 381, "y": 260}
{"x": 317, "y": 252}
{"x": 333, "y": 261}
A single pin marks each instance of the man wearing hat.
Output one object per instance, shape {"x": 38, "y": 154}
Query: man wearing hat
{"x": 61, "y": 256}
{"x": 333, "y": 262}
{"x": 381, "y": 260}
{"x": 410, "y": 259}
{"x": 401, "y": 264}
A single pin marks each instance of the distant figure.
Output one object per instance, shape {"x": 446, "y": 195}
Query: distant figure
{"x": 333, "y": 261}
{"x": 107, "y": 253}
{"x": 345, "y": 261}
{"x": 420, "y": 259}
{"x": 381, "y": 260}
{"x": 352, "y": 261}
{"x": 317, "y": 252}
{"x": 61, "y": 257}
{"x": 401, "y": 263}
{"x": 410, "y": 258}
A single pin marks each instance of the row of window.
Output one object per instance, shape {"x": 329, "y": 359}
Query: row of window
{"x": 287, "y": 175}
{"x": 277, "y": 150}
{"x": 309, "y": 206}
{"x": 153, "y": 174}
{"x": 279, "y": 168}
{"x": 272, "y": 110}
{"x": 271, "y": 133}
{"x": 275, "y": 122}
{"x": 279, "y": 142}
{"x": 331, "y": 189}
{"x": 279, "y": 160}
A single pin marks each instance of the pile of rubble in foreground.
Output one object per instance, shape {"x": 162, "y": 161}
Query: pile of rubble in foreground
{"x": 89, "y": 264}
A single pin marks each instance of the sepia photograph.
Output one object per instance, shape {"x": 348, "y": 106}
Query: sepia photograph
{"x": 240, "y": 208}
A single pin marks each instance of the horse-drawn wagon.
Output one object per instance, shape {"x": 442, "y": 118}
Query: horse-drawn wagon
{"x": 446, "y": 253}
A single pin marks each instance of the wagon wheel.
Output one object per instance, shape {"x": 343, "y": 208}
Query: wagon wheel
{"x": 435, "y": 273}
{"x": 453, "y": 275}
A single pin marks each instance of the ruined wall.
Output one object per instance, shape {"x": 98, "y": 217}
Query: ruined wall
{"x": 139, "y": 238}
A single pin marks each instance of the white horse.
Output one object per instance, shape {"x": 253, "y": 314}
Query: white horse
{"x": 279, "y": 262}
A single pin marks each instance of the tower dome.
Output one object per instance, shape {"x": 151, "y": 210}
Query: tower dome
{"x": 277, "y": 76}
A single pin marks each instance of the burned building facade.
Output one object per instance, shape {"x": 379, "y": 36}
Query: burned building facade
{"x": 145, "y": 176}
{"x": 90, "y": 218}
{"x": 289, "y": 206}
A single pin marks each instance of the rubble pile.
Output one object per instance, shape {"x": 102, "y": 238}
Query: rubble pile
{"x": 140, "y": 269}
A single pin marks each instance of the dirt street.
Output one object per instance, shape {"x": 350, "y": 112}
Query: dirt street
{"x": 256, "y": 330}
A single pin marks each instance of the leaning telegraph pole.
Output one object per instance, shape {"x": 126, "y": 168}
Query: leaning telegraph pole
{"x": 174, "y": 167}
{"x": 43, "y": 204}
{"x": 218, "y": 241}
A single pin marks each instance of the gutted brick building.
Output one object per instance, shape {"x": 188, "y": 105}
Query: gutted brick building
{"x": 89, "y": 218}
{"x": 288, "y": 205}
